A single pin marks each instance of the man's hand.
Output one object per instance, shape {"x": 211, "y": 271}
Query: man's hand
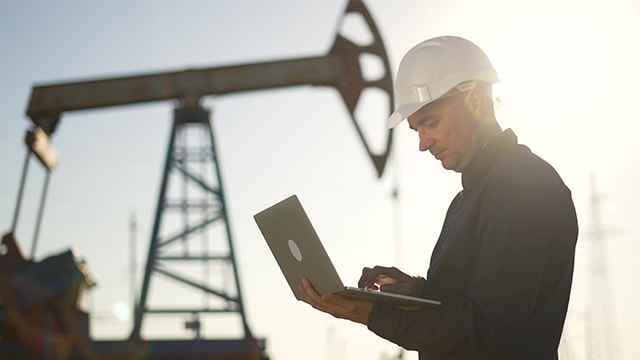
{"x": 390, "y": 279}
{"x": 336, "y": 305}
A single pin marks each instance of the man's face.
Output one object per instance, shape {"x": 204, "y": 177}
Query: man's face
{"x": 446, "y": 127}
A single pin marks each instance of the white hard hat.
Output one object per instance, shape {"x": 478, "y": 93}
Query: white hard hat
{"x": 434, "y": 67}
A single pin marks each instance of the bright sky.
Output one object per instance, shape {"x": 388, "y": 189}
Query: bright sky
{"x": 569, "y": 75}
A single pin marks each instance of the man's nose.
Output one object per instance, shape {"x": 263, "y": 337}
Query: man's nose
{"x": 426, "y": 142}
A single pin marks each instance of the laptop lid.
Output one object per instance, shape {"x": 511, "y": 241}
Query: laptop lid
{"x": 297, "y": 247}
{"x": 300, "y": 253}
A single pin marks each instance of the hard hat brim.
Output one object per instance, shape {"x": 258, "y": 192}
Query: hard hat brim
{"x": 403, "y": 112}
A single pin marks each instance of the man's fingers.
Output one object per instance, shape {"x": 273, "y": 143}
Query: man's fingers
{"x": 383, "y": 279}
{"x": 309, "y": 294}
{"x": 413, "y": 287}
{"x": 326, "y": 303}
{"x": 370, "y": 276}
{"x": 379, "y": 275}
{"x": 335, "y": 305}
{"x": 364, "y": 278}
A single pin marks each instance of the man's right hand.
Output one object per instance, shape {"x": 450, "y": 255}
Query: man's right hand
{"x": 390, "y": 279}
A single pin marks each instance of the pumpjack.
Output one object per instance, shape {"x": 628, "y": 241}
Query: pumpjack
{"x": 191, "y": 223}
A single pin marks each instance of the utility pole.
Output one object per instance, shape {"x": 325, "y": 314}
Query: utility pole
{"x": 132, "y": 260}
{"x": 600, "y": 329}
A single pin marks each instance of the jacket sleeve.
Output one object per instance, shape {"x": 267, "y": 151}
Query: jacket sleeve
{"x": 519, "y": 221}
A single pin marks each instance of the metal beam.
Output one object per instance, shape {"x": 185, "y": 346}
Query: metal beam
{"x": 99, "y": 93}
{"x": 38, "y": 142}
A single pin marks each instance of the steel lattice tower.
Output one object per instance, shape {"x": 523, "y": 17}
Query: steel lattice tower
{"x": 191, "y": 242}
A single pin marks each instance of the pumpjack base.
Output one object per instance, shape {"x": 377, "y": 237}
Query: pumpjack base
{"x": 242, "y": 349}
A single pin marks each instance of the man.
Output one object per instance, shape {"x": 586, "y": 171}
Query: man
{"x": 503, "y": 264}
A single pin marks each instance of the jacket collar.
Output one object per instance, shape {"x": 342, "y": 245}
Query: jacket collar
{"x": 483, "y": 159}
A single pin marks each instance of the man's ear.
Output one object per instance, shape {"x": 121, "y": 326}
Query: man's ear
{"x": 475, "y": 102}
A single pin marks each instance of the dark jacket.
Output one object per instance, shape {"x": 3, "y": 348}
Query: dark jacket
{"x": 502, "y": 266}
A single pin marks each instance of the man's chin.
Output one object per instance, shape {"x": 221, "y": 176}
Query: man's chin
{"x": 449, "y": 166}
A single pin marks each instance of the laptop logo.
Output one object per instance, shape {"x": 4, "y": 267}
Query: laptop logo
{"x": 295, "y": 250}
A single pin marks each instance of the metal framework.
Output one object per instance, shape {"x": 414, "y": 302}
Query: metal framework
{"x": 191, "y": 204}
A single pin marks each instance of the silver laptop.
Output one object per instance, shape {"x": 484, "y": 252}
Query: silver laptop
{"x": 299, "y": 253}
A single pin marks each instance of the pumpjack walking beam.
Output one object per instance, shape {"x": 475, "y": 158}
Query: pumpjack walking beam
{"x": 340, "y": 68}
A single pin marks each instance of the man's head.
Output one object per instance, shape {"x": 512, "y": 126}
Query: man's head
{"x": 456, "y": 126}
{"x": 443, "y": 87}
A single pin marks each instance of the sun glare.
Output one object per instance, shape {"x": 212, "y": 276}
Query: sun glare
{"x": 121, "y": 311}
{"x": 553, "y": 64}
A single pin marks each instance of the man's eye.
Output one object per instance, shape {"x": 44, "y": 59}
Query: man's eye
{"x": 432, "y": 124}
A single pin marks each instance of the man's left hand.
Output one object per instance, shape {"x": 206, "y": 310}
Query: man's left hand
{"x": 336, "y": 305}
